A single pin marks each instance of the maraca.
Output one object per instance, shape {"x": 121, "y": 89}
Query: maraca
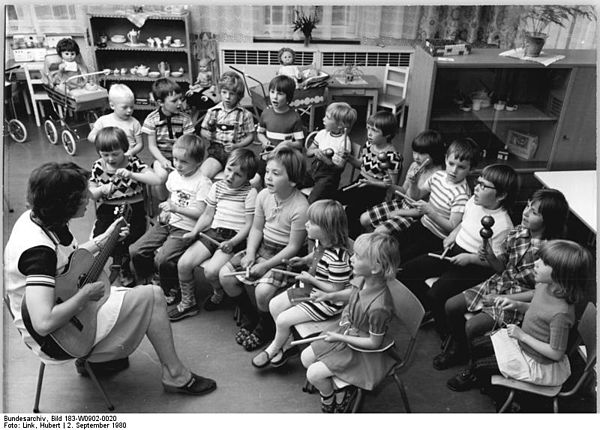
{"x": 486, "y": 232}
{"x": 328, "y": 152}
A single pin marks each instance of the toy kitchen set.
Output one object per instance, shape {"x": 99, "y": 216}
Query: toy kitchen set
{"x": 139, "y": 52}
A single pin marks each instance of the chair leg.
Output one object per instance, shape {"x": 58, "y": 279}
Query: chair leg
{"x": 555, "y": 404}
{"x": 89, "y": 369}
{"x": 38, "y": 390}
{"x": 508, "y": 402}
{"x": 357, "y": 401}
{"x": 402, "y": 393}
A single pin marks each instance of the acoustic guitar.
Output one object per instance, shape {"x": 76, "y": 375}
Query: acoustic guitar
{"x": 78, "y": 335}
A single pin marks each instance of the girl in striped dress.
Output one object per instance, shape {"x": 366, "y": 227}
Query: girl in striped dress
{"x": 329, "y": 272}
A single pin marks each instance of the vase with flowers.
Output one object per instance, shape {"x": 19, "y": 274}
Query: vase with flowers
{"x": 538, "y": 18}
{"x": 305, "y": 23}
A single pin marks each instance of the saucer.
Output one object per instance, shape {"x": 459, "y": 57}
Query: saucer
{"x": 177, "y": 46}
{"x": 117, "y": 38}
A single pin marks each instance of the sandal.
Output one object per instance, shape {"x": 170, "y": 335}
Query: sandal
{"x": 242, "y": 335}
{"x": 348, "y": 401}
{"x": 263, "y": 358}
{"x": 328, "y": 408}
{"x": 252, "y": 342}
{"x": 282, "y": 357}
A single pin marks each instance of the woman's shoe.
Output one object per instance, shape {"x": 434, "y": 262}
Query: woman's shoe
{"x": 197, "y": 385}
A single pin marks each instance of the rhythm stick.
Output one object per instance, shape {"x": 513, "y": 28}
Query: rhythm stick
{"x": 354, "y": 185}
{"x": 285, "y": 272}
{"x": 441, "y": 257}
{"x": 242, "y": 273}
{"x": 210, "y": 239}
{"x": 408, "y": 199}
{"x": 309, "y": 340}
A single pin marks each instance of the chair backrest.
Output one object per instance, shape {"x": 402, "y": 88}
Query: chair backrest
{"x": 406, "y": 306}
{"x": 396, "y": 81}
{"x": 310, "y": 138}
{"x": 587, "y": 331}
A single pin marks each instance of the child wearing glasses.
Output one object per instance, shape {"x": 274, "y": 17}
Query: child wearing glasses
{"x": 462, "y": 266}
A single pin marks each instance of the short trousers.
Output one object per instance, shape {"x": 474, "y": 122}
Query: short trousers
{"x": 220, "y": 234}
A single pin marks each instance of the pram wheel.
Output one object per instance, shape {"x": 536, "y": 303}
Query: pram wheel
{"x": 51, "y": 132}
{"x": 17, "y": 130}
{"x": 69, "y": 141}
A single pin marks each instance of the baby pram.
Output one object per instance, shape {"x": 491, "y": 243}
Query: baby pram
{"x": 68, "y": 107}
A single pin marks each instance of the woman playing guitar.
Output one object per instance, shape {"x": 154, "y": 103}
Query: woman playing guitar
{"x": 60, "y": 307}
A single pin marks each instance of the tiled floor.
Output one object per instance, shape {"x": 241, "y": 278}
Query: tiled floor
{"x": 205, "y": 343}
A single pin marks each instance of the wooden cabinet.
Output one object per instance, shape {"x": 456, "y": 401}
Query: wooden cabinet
{"x": 127, "y": 55}
{"x": 555, "y": 105}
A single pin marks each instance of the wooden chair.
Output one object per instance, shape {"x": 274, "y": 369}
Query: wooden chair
{"x": 36, "y": 92}
{"x": 42, "y": 368}
{"x": 587, "y": 333}
{"x": 395, "y": 85}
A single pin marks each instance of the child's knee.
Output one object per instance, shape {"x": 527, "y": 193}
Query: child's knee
{"x": 365, "y": 220}
{"x": 307, "y": 357}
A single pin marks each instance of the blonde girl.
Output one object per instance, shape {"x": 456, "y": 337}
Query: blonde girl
{"x": 329, "y": 272}
{"x": 344, "y": 353}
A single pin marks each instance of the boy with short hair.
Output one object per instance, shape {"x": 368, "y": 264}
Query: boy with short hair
{"x": 121, "y": 100}
{"x": 448, "y": 193}
{"x": 227, "y": 219}
{"x": 166, "y": 124}
{"x": 280, "y": 123}
{"x": 227, "y": 125}
{"x": 188, "y": 189}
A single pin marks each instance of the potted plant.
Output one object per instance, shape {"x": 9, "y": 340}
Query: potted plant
{"x": 305, "y": 23}
{"x": 538, "y": 18}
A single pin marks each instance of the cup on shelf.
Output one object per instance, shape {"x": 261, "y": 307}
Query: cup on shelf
{"x": 169, "y": 39}
{"x": 177, "y": 42}
{"x": 476, "y": 104}
{"x": 123, "y": 70}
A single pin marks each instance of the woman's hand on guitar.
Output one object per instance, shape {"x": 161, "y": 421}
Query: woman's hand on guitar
{"x": 93, "y": 291}
{"x": 123, "y": 232}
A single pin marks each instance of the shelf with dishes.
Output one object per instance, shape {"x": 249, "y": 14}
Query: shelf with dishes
{"x": 111, "y": 46}
{"x": 150, "y": 78}
{"x": 524, "y": 112}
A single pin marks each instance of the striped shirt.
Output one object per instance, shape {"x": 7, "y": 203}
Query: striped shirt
{"x": 167, "y": 129}
{"x": 231, "y": 205}
{"x": 334, "y": 266}
{"x": 281, "y": 126}
{"x": 446, "y": 198}
{"x": 281, "y": 217}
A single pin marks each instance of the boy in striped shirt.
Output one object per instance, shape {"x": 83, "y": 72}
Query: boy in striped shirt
{"x": 448, "y": 193}
{"x": 227, "y": 220}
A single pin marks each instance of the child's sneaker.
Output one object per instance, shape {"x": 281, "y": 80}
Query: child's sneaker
{"x": 179, "y": 312}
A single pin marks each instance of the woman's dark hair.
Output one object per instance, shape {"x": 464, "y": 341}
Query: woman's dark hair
{"x": 55, "y": 192}
{"x": 430, "y": 142}
{"x": 554, "y": 209}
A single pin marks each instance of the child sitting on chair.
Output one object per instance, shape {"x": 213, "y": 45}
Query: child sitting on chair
{"x": 121, "y": 101}
{"x": 328, "y": 151}
{"x": 226, "y": 126}
{"x": 354, "y": 349}
{"x": 58, "y": 70}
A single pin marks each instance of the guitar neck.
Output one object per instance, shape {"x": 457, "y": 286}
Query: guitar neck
{"x": 102, "y": 257}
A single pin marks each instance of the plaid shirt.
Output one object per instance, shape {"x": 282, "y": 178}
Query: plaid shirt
{"x": 228, "y": 126}
{"x": 520, "y": 252}
{"x": 167, "y": 129}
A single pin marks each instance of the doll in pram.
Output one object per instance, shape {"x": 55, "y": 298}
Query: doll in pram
{"x": 73, "y": 95}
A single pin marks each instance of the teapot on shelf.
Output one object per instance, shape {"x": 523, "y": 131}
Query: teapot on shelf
{"x": 133, "y": 36}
